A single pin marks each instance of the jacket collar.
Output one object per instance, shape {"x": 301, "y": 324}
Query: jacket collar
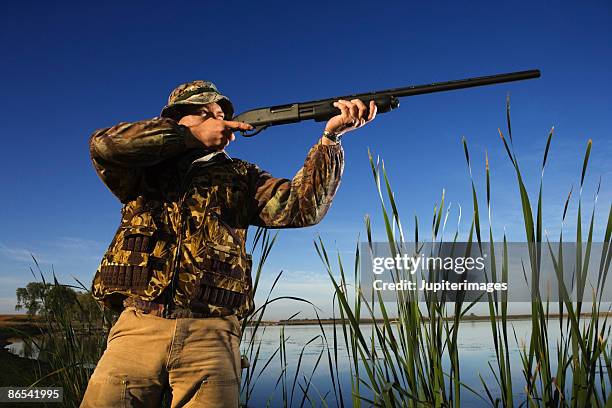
{"x": 211, "y": 158}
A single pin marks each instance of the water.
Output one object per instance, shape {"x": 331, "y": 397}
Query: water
{"x": 22, "y": 348}
{"x": 476, "y": 350}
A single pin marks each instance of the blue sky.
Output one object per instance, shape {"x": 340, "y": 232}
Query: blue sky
{"x": 68, "y": 69}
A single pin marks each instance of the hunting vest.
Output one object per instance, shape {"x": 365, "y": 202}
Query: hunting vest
{"x": 180, "y": 245}
{"x": 183, "y": 243}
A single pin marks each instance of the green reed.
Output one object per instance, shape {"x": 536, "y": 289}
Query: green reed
{"x": 71, "y": 339}
{"x": 397, "y": 361}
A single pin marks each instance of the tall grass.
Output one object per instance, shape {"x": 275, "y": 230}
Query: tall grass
{"x": 70, "y": 341}
{"x": 399, "y": 359}
{"x": 582, "y": 362}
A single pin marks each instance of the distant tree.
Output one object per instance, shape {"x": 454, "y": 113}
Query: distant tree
{"x": 31, "y": 297}
{"x": 39, "y": 298}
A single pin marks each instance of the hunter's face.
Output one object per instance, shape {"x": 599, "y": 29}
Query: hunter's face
{"x": 196, "y": 114}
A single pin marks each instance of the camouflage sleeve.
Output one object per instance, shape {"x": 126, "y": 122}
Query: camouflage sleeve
{"x": 120, "y": 154}
{"x": 303, "y": 201}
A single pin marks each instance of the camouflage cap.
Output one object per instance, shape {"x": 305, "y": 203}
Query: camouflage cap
{"x": 196, "y": 93}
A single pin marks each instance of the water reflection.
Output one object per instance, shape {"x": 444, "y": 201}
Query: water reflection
{"x": 22, "y": 348}
{"x": 476, "y": 351}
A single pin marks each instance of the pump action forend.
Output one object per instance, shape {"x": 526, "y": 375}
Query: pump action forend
{"x": 385, "y": 100}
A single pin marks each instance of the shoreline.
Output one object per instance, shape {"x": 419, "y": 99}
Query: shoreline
{"x": 29, "y": 325}
{"x": 469, "y": 318}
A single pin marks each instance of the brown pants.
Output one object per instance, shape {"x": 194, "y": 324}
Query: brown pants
{"x": 198, "y": 358}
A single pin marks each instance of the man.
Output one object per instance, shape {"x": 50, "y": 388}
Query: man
{"x": 177, "y": 266}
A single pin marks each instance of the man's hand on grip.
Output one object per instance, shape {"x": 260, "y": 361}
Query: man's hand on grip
{"x": 211, "y": 132}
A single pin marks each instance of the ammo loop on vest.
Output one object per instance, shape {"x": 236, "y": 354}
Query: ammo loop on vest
{"x": 138, "y": 243}
{"x": 220, "y": 297}
{"x": 126, "y": 276}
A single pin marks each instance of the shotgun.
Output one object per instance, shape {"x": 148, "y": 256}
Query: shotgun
{"x": 386, "y": 100}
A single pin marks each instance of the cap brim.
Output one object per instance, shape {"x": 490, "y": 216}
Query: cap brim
{"x": 172, "y": 110}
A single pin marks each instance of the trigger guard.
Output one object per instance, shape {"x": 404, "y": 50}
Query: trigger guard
{"x": 255, "y": 131}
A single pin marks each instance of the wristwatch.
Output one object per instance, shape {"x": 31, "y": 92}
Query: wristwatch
{"x": 332, "y": 136}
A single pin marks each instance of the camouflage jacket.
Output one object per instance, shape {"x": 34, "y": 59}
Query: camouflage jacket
{"x": 184, "y": 221}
